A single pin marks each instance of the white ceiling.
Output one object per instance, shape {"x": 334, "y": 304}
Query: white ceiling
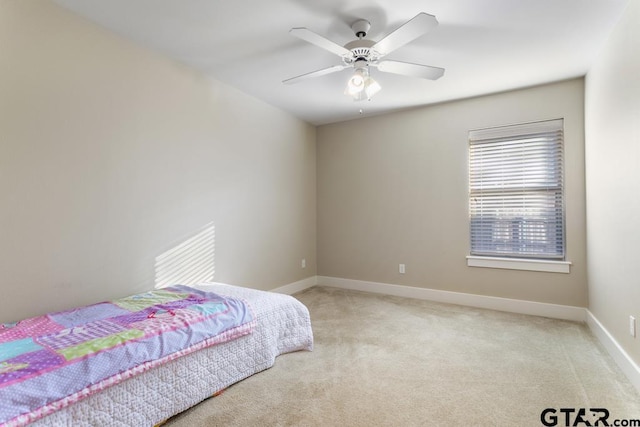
{"x": 486, "y": 46}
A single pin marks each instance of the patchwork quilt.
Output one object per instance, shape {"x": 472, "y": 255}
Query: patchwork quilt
{"x": 51, "y": 361}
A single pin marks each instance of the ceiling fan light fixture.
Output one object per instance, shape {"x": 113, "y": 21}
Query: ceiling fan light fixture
{"x": 371, "y": 87}
{"x": 361, "y": 86}
{"x": 355, "y": 85}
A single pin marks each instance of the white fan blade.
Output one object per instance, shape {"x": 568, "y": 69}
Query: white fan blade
{"x": 411, "y": 30}
{"x": 318, "y": 40}
{"x": 409, "y": 69}
{"x": 318, "y": 73}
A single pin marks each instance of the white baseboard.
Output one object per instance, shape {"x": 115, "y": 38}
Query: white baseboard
{"x": 624, "y": 361}
{"x": 555, "y": 311}
{"x": 298, "y": 286}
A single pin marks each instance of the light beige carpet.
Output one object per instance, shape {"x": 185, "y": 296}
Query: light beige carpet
{"x": 389, "y": 361}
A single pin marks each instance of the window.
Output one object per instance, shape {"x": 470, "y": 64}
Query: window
{"x": 516, "y": 197}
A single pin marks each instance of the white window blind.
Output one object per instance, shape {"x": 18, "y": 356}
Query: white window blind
{"x": 516, "y": 197}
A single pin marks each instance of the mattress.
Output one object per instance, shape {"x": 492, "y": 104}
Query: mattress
{"x": 283, "y": 326}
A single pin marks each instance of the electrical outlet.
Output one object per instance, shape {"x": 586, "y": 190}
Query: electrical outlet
{"x": 303, "y": 263}
{"x": 401, "y": 268}
{"x": 632, "y": 326}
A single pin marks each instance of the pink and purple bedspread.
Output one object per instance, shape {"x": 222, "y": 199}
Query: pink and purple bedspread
{"x": 51, "y": 361}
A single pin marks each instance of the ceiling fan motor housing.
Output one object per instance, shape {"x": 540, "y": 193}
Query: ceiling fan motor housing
{"x": 360, "y": 50}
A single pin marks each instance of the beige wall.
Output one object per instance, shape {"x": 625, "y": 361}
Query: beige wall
{"x": 394, "y": 189}
{"x": 111, "y": 155}
{"x": 613, "y": 181}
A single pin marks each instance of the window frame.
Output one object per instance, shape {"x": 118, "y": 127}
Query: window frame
{"x": 495, "y": 252}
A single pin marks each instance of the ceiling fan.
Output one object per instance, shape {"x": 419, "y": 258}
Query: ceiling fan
{"x": 361, "y": 54}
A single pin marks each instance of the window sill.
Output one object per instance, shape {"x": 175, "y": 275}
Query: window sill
{"x": 520, "y": 264}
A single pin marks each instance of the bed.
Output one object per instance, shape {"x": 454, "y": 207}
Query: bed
{"x": 279, "y": 324}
